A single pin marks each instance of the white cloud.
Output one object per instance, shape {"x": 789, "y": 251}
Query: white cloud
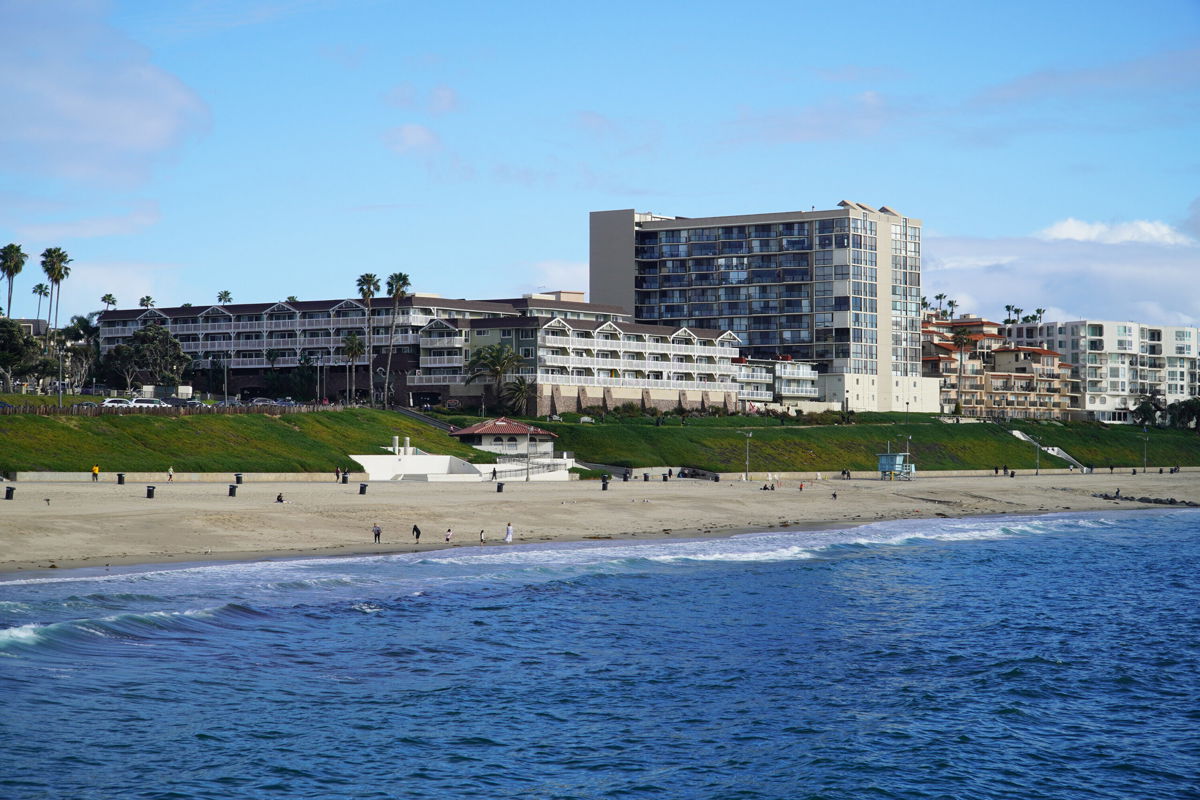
{"x": 84, "y": 102}
{"x": 143, "y": 216}
{"x": 412, "y": 138}
{"x": 1071, "y": 278}
{"x": 1139, "y": 231}
{"x": 443, "y": 100}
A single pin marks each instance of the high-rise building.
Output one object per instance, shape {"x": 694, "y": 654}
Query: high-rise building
{"x": 1120, "y": 362}
{"x": 840, "y": 289}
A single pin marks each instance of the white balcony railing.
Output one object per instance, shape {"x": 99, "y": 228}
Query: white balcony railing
{"x": 754, "y": 394}
{"x": 436, "y": 380}
{"x": 638, "y": 383}
{"x": 626, "y": 363}
{"x": 441, "y": 361}
{"x": 443, "y": 341}
{"x": 586, "y": 343}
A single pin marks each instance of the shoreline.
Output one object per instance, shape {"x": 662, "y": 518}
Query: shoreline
{"x": 86, "y": 526}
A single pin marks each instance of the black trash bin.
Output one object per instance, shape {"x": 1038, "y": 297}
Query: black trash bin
{"x": 345, "y": 477}
{"x": 149, "y": 492}
{"x": 664, "y": 477}
{"x": 625, "y": 477}
{"x": 233, "y": 490}
{"x": 716, "y": 478}
{"x": 645, "y": 477}
{"x": 9, "y": 491}
{"x": 499, "y": 487}
{"x": 237, "y": 478}
{"x": 120, "y": 478}
{"x": 362, "y": 488}
{"x": 604, "y": 486}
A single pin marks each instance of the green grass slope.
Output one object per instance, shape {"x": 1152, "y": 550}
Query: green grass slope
{"x": 314, "y": 442}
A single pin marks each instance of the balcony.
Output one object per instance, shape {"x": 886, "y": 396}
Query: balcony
{"x": 441, "y": 361}
{"x": 797, "y": 391}
{"x": 755, "y": 394}
{"x": 436, "y": 380}
{"x": 442, "y": 341}
{"x": 638, "y": 383}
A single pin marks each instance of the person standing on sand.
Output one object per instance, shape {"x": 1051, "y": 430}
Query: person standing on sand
{"x": 493, "y": 473}
{"x": 508, "y": 533}
{"x": 481, "y": 539}
{"x": 95, "y": 473}
{"x": 375, "y": 529}
{"x": 417, "y": 534}
{"x": 449, "y": 534}
{"x": 337, "y": 474}
{"x": 170, "y": 474}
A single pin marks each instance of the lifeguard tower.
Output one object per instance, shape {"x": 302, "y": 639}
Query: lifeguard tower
{"x": 894, "y": 466}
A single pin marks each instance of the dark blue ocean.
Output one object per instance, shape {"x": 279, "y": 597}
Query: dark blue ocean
{"x": 1020, "y": 657}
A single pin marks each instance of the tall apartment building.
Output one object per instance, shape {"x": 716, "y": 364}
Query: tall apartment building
{"x": 1118, "y": 362}
{"x": 578, "y": 353}
{"x": 840, "y": 289}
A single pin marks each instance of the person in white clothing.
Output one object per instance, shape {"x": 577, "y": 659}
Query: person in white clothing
{"x": 508, "y": 533}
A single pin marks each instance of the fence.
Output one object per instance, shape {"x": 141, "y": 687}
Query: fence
{"x": 168, "y": 411}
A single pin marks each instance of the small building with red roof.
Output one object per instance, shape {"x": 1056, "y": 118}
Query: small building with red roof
{"x": 507, "y": 437}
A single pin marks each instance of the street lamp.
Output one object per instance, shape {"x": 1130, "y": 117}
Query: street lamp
{"x": 906, "y": 413}
{"x": 746, "y": 474}
{"x": 1145, "y": 442}
{"x": 1037, "y": 456}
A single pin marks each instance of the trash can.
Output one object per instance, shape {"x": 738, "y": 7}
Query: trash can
{"x": 664, "y": 477}
{"x": 233, "y": 490}
{"x": 9, "y": 491}
{"x": 716, "y": 478}
{"x": 604, "y": 486}
{"x": 499, "y": 487}
{"x": 625, "y": 477}
{"x": 149, "y": 492}
{"x": 120, "y": 479}
{"x": 645, "y": 477}
{"x": 362, "y": 488}
{"x": 237, "y": 478}
{"x": 345, "y": 477}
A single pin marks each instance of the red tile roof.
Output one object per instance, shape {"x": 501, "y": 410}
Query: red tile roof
{"x": 501, "y": 426}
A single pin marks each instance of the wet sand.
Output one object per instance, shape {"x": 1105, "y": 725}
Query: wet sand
{"x": 90, "y": 525}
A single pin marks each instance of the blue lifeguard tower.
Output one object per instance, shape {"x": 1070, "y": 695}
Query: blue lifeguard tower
{"x": 895, "y": 465}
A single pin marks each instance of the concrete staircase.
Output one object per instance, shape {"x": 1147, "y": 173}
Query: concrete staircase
{"x": 1057, "y": 452}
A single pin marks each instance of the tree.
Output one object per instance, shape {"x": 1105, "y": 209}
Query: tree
{"x": 292, "y": 298}
{"x": 146, "y": 302}
{"x": 159, "y": 354}
{"x": 272, "y": 356}
{"x": 41, "y": 290}
{"x": 54, "y": 264}
{"x": 353, "y": 347}
{"x": 108, "y": 300}
{"x": 1008, "y": 320}
{"x": 952, "y": 306}
{"x": 397, "y": 289}
{"x": 1039, "y": 314}
{"x": 12, "y": 261}
{"x": 18, "y": 351}
{"x": 368, "y": 287}
{"x": 224, "y": 296}
{"x": 492, "y": 362}
{"x": 1148, "y": 409}
{"x": 519, "y": 394}
{"x": 961, "y": 340}
{"x": 121, "y": 362}
{"x": 939, "y": 297}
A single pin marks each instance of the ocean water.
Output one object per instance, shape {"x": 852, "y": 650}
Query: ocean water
{"x": 1023, "y": 657}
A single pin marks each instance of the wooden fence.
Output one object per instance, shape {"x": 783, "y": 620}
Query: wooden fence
{"x": 169, "y": 411}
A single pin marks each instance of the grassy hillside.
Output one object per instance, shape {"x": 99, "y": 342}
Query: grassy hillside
{"x": 313, "y": 442}
{"x": 718, "y": 443}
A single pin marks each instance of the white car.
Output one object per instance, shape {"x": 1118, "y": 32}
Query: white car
{"x": 148, "y": 402}
{"x": 115, "y": 402}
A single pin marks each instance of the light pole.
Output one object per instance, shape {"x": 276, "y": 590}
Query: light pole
{"x": 746, "y": 474}
{"x": 60, "y": 374}
{"x": 1037, "y": 456}
{"x": 906, "y": 413}
{"x": 1145, "y": 442}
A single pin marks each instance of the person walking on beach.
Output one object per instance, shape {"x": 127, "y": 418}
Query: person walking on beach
{"x": 337, "y": 474}
{"x": 375, "y": 529}
{"x": 481, "y": 539}
{"x": 95, "y": 473}
{"x": 170, "y": 474}
{"x": 449, "y": 534}
{"x": 493, "y": 473}
{"x": 508, "y": 533}
{"x": 417, "y": 534}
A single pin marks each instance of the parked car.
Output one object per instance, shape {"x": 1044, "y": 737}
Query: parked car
{"x": 84, "y": 404}
{"x": 115, "y": 402}
{"x": 176, "y": 402}
{"x": 194, "y": 404}
{"x": 262, "y": 401}
{"x": 232, "y": 402}
{"x": 286, "y": 401}
{"x": 148, "y": 402}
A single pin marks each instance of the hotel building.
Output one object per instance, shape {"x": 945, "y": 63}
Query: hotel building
{"x": 840, "y": 289}
{"x": 1119, "y": 362}
{"x": 578, "y": 354}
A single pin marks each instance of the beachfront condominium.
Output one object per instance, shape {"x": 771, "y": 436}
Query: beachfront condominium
{"x": 839, "y": 289}
{"x": 1120, "y": 362}
{"x": 577, "y": 354}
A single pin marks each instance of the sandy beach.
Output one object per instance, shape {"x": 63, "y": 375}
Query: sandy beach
{"x": 67, "y": 525}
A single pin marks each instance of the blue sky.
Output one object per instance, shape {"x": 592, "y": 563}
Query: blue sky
{"x": 283, "y": 147}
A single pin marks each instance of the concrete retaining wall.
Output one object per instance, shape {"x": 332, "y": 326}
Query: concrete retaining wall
{"x": 185, "y": 477}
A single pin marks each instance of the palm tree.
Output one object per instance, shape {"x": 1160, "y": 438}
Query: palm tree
{"x": 368, "y": 287}
{"x": 146, "y": 302}
{"x": 352, "y": 345}
{"x": 493, "y": 362}
{"x": 518, "y": 393}
{"x": 1008, "y": 320}
{"x": 1017, "y": 312}
{"x": 1038, "y": 314}
{"x": 291, "y": 298}
{"x": 54, "y": 264}
{"x": 41, "y": 290}
{"x": 940, "y": 297}
{"x": 962, "y": 340}
{"x": 397, "y": 289}
{"x": 12, "y": 261}
{"x": 951, "y": 305}
{"x": 224, "y": 297}
{"x": 108, "y": 300}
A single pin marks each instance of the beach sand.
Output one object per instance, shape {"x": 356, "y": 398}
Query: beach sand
{"x": 94, "y": 525}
